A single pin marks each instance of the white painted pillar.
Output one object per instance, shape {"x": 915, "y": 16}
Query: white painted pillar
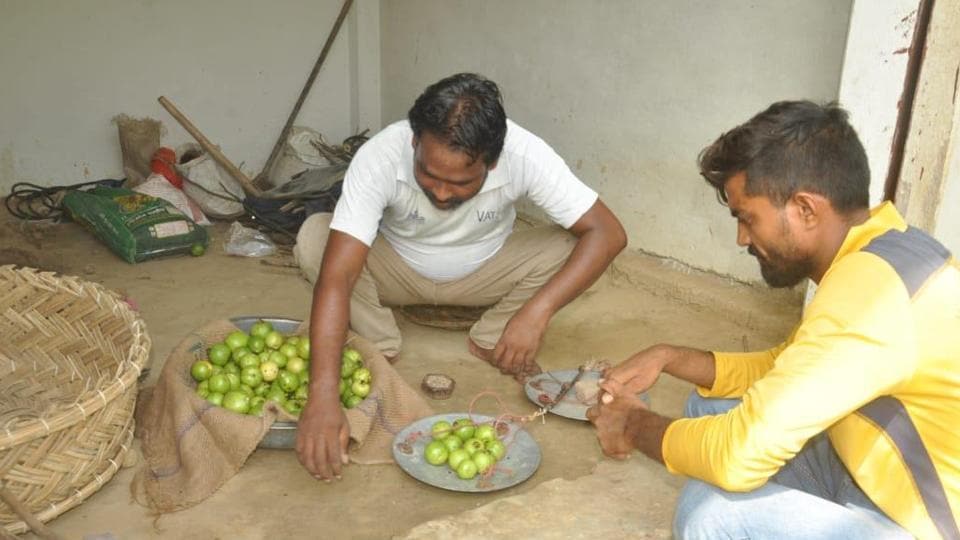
{"x": 365, "y": 106}
{"x": 871, "y": 83}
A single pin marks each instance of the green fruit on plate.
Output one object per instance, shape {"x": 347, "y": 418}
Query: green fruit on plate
{"x": 467, "y": 469}
{"x": 239, "y": 353}
{"x": 278, "y": 358}
{"x": 360, "y": 389}
{"x": 464, "y": 428}
{"x": 288, "y": 381}
{"x": 218, "y": 354}
{"x": 201, "y": 370}
{"x": 351, "y": 355}
{"x": 483, "y": 460}
{"x": 473, "y": 445}
{"x": 457, "y": 457}
{"x": 273, "y": 339}
{"x": 296, "y": 365}
{"x": 293, "y": 407}
{"x": 256, "y": 344}
{"x": 269, "y": 371}
{"x": 236, "y": 401}
{"x": 452, "y": 442}
{"x": 362, "y": 375}
{"x": 260, "y": 329}
{"x": 236, "y": 339}
{"x": 303, "y": 349}
{"x": 436, "y": 453}
{"x": 440, "y": 429}
{"x": 249, "y": 360}
{"x": 251, "y": 376}
{"x": 219, "y": 384}
{"x": 496, "y": 448}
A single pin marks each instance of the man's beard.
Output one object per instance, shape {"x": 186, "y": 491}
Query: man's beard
{"x": 450, "y": 204}
{"x": 780, "y": 270}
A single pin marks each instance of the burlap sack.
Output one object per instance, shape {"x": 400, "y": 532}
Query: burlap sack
{"x": 191, "y": 447}
{"x": 139, "y": 139}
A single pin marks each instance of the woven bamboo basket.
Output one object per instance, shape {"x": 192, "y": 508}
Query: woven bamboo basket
{"x": 70, "y": 355}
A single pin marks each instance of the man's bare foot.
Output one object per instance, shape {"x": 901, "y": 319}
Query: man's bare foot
{"x": 486, "y": 355}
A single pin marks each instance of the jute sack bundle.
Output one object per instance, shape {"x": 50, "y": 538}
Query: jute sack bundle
{"x": 191, "y": 447}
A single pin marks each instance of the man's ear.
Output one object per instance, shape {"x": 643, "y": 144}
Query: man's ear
{"x": 810, "y": 207}
{"x": 493, "y": 165}
{"x": 414, "y": 140}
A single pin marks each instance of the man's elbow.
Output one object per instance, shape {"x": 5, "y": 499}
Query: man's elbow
{"x": 739, "y": 483}
{"x": 616, "y": 237}
{"x": 741, "y": 473}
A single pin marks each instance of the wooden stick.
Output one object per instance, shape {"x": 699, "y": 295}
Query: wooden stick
{"x": 214, "y": 152}
{"x": 21, "y": 510}
{"x": 268, "y": 166}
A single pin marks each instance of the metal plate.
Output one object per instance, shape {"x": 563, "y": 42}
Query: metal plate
{"x": 519, "y": 463}
{"x": 549, "y": 383}
{"x": 282, "y": 435}
{"x": 280, "y": 324}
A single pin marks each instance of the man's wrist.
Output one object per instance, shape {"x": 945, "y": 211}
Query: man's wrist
{"x": 539, "y": 309}
{"x": 647, "y": 429}
{"x": 665, "y": 355}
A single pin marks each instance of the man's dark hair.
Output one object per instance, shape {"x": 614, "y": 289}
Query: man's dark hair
{"x": 793, "y": 146}
{"x": 466, "y": 112}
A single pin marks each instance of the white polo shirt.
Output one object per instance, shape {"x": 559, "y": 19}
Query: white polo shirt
{"x": 381, "y": 194}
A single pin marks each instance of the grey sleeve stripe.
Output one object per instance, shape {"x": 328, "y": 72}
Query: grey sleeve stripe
{"x": 914, "y": 254}
{"x": 892, "y": 417}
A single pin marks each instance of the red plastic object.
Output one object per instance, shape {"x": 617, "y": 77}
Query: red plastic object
{"x": 163, "y": 162}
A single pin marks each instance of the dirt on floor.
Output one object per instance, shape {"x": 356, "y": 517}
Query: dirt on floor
{"x": 575, "y": 493}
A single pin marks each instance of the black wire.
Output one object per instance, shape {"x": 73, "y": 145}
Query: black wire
{"x": 270, "y": 224}
{"x": 34, "y": 203}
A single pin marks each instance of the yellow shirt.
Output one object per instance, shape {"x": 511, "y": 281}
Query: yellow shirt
{"x": 875, "y": 362}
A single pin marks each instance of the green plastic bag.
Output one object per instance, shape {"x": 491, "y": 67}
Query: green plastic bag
{"x": 135, "y": 226}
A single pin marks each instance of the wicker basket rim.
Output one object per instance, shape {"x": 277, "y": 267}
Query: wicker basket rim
{"x": 79, "y": 495}
{"x": 130, "y": 368}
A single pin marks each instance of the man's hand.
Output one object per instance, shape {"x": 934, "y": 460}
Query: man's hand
{"x": 600, "y": 236}
{"x": 322, "y": 437}
{"x": 624, "y": 423}
{"x": 639, "y": 372}
{"x": 635, "y": 374}
{"x": 323, "y": 432}
{"x": 517, "y": 348}
{"x": 616, "y": 420}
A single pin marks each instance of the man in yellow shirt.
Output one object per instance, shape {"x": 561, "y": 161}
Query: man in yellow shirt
{"x": 849, "y": 429}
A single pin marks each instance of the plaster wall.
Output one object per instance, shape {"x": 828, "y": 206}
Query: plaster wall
{"x": 628, "y": 92}
{"x": 234, "y": 68}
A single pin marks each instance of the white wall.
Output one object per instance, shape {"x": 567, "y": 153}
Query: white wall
{"x": 874, "y": 67}
{"x": 628, "y": 91}
{"x": 947, "y": 227}
{"x": 235, "y": 68}
{"x": 927, "y": 192}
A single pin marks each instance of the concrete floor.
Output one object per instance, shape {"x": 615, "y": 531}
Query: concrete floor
{"x": 576, "y": 492}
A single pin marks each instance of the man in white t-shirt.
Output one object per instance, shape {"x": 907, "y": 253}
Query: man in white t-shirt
{"x": 426, "y": 217}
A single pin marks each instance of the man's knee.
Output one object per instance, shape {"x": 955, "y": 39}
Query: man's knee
{"x": 697, "y": 406}
{"x": 700, "y": 511}
{"x": 551, "y": 247}
{"x": 311, "y": 242}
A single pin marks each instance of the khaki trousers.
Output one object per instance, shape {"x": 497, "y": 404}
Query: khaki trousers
{"x": 527, "y": 260}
